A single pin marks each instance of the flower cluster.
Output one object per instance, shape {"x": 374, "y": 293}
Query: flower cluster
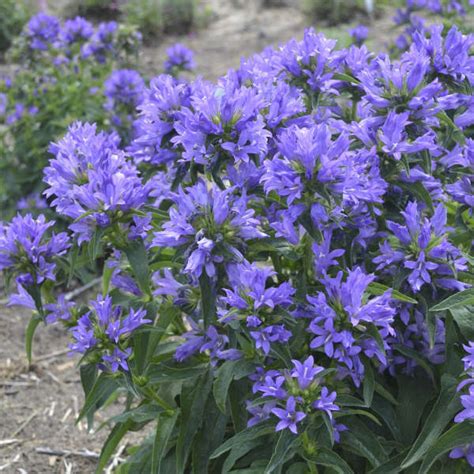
{"x": 27, "y": 250}
{"x": 179, "y": 59}
{"x": 210, "y": 225}
{"x": 257, "y": 306}
{"x": 124, "y": 91}
{"x": 105, "y": 326}
{"x": 421, "y": 245}
{"x": 46, "y": 38}
{"x": 91, "y": 181}
{"x": 467, "y": 401}
{"x": 293, "y": 395}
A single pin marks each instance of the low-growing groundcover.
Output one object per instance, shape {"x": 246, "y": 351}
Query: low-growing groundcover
{"x": 286, "y": 262}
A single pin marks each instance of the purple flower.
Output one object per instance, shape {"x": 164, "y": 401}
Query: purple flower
{"x": 42, "y": 31}
{"x": 224, "y": 127}
{"x": 22, "y": 298}
{"x": 324, "y": 257}
{"x": 76, "y": 30}
{"x": 289, "y": 417}
{"x": 469, "y": 359}
{"x": 259, "y": 412}
{"x": 305, "y": 372}
{"x": 326, "y": 402}
{"x": 27, "y": 251}
{"x": 274, "y": 333}
{"x": 92, "y": 181}
{"x": 83, "y": 334}
{"x": 59, "y": 311}
{"x": 117, "y": 359}
{"x": 423, "y": 247}
{"x": 179, "y": 58}
{"x": 395, "y": 140}
{"x": 271, "y": 386}
{"x": 32, "y": 201}
{"x": 159, "y": 111}
{"x": 251, "y": 295}
{"x": 106, "y": 323}
{"x": 210, "y": 342}
{"x": 212, "y": 224}
{"x": 359, "y": 34}
{"x": 468, "y": 405}
{"x": 466, "y": 451}
{"x": 124, "y": 89}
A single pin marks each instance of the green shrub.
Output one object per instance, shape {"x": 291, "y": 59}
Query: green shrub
{"x": 156, "y": 17}
{"x": 95, "y": 8}
{"x": 13, "y": 15}
{"x": 332, "y": 12}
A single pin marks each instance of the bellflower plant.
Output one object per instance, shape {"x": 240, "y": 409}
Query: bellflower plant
{"x": 285, "y": 257}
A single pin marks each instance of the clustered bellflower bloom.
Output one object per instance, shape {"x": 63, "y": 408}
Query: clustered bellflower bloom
{"x": 124, "y": 91}
{"x": 107, "y": 326}
{"x": 179, "y": 58}
{"x": 467, "y": 401}
{"x": 422, "y": 247}
{"x": 92, "y": 182}
{"x": 209, "y": 224}
{"x": 340, "y": 321}
{"x": 27, "y": 249}
{"x": 293, "y": 395}
{"x": 251, "y": 301}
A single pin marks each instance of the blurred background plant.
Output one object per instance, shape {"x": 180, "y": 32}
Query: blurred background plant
{"x": 58, "y": 78}
{"x": 13, "y": 16}
{"x": 157, "y": 17}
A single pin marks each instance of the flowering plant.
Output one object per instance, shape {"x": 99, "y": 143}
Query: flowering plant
{"x": 286, "y": 263}
{"x": 65, "y": 73}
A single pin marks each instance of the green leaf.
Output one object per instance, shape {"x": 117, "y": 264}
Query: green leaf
{"x": 462, "y": 298}
{"x": 95, "y": 245}
{"x": 208, "y": 299}
{"x": 88, "y": 373}
{"x": 238, "y": 451}
{"x": 138, "y": 259}
{"x": 464, "y": 317}
{"x": 167, "y": 315}
{"x": 30, "y": 332}
{"x": 103, "y": 387}
{"x": 378, "y": 289}
{"x": 140, "y": 414}
{"x": 386, "y": 412}
{"x": 193, "y": 401}
{"x": 164, "y": 428}
{"x": 358, "y": 411}
{"x": 458, "y": 435}
{"x": 209, "y": 437}
{"x": 414, "y": 393}
{"x": 368, "y": 385}
{"x": 392, "y": 466}
{"x": 249, "y": 434}
{"x": 328, "y": 458}
{"x": 111, "y": 443}
{"x": 229, "y": 370}
{"x": 344, "y": 400}
{"x": 446, "y": 406}
{"x": 106, "y": 277}
{"x": 383, "y": 392}
{"x": 415, "y": 355}
{"x": 419, "y": 192}
{"x": 285, "y": 441}
{"x": 362, "y": 441}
